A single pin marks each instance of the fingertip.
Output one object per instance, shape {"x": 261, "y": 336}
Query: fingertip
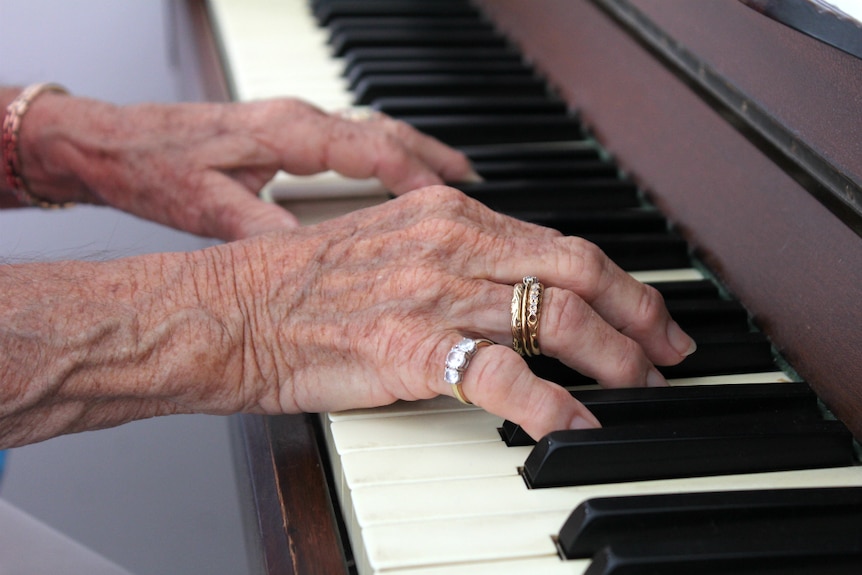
{"x": 679, "y": 340}
{"x": 584, "y": 421}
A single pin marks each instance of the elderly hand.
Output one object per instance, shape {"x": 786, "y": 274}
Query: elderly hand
{"x": 362, "y": 311}
{"x": 358, "y": 311}
{"x": 199, "y": 167}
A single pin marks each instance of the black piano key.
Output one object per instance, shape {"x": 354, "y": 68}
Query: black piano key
{"x": 449, "y": 67}
{"x": 638, "y": 252}
{"x": 471, "y": 106}
{"x": 710, "y": 314}
{"x": 360, "y": 56}
{"x": 563, "y": 150}
{"x": 461, "y": 131}
{"x": 579, "y": 195}
{"x": 327, "y": 12}
{"x": 603, "y": 521}
{"x": 699, "y": 289}
{"x": 347, "y": 24}
{"x": 373, "y": 87}
{"x": 627, "y": 221}
{"x": 541, "y": 169}
{"x": 659, "y": 405}
{"x": 717, "y": 354}
{"x": 684, "y": 449}
{"x": 342, "y": 43}
{"x": 821, "y": 547}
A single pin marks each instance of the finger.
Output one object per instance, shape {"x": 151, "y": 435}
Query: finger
{"x": 231, "y": 212}
{"x": 498, "y": 380}
{"x": 633, "y": 308}
{"x": 400, "y": 157}
{"x": 569, "y": 330}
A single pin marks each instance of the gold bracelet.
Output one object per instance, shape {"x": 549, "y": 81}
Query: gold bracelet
{"x": 11, "y": 145}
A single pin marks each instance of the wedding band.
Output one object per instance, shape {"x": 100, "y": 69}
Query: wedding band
{"x": 517, "y": 318}
{"x": 457, "y": 361}
{"x": 532, "y": 303}
{"x": 526, "y": 309}
{"x": 357, "y": 114}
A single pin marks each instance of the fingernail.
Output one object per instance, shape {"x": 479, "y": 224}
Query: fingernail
{"x": 581, "y": 422}
{"x": 655, "y": 379}
{"x": 680, "y": 340}
{"x": 472, "y": 178}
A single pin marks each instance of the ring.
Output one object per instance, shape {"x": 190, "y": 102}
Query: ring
{"x": 457, "y": 361}
{"x": 357, "y": 114}
{"x": 526, "y": 309}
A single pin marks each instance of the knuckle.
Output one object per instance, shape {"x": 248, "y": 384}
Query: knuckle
{"x": 570, "y": 315}
{"x": 587, "y": 264}
{"x": 648, "y": 310}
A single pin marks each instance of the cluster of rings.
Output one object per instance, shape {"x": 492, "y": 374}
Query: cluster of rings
{"x": 526, "y": 308}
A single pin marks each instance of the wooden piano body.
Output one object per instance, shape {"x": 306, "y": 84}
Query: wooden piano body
{"x": 745, "y": 132}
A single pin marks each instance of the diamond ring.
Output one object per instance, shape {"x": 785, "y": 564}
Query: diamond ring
{"x": 457, "y": 361}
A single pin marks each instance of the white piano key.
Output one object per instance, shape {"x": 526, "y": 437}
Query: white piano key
{"x": 415, "y": 544}
{"x": 446, "y": 428}
{"x": 448, "y": 537}
{"x": 532, "y": 566}
{"x": 262, "y": 37}
{"x": 654, "y": 276}
{"x": 489, "y": 497}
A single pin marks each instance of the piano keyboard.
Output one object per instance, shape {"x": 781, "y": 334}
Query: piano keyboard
{"x": 430, "y": 487}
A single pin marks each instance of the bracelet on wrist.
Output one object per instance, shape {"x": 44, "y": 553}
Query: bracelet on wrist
{"x": 11, "y": 150}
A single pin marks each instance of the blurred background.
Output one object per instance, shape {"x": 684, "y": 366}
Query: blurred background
{"x": 157, "y": 496}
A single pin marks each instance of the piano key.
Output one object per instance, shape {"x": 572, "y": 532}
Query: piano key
{"x": 563, "y": 194}
{"x": 343, "y": 42}
{"x": 458, "y": 131}
{"x": 631, "y": 453}
{"x": 543, "y": 169}
{"x": 359, "y": 56}
{"x": 478, "y": 520}
{"x": 348, "y": 23}
{"x": 373, "y": 87}
{"x": 573, "y": 150}
{"x": 255, "y": 41}
{"x": 480, "y": 68}
{"x": 604, "y": 521}
{"x": 464, "y": 106}
{"x": 717, "y": 354}
{"x": 327, "y": 12}
{"x": 621, "y": 221}
{"x": 648, "y": 405}
{"x": 774, "y": 549}
{"x": 693, "y": 289}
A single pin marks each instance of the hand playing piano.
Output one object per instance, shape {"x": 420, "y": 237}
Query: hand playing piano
{"x": 361, "y": 311}
{"x": 200, "y": 167}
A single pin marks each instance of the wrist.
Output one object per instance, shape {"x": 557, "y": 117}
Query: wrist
{"x": 39, "y": 141}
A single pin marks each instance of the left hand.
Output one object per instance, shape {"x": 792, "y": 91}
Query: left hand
{"x": 199, "y": 167}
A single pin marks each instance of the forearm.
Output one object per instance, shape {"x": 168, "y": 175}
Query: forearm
{"x": 91, "y": 345}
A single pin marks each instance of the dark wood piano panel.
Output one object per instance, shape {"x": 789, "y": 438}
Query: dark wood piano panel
{"x": 794, "y": 264}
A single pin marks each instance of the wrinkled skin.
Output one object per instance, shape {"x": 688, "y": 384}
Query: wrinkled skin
{"x": 355, "y": 312}
{"x": 199, "y": 167}
{"x": 362, "y": 310}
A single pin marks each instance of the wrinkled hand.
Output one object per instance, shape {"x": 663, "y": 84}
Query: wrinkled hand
{"x": 199, "y": 167}
{"x": 362, "y": 310}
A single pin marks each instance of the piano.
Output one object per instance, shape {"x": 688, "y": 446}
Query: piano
{"x": 742, "y": 133}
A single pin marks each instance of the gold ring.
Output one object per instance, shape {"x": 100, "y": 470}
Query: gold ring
{"x": 457, "y": 361}
{"x": 526, "y": 310}
{"x": 532, "y": 304}
{"x": 517, "y": 318}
